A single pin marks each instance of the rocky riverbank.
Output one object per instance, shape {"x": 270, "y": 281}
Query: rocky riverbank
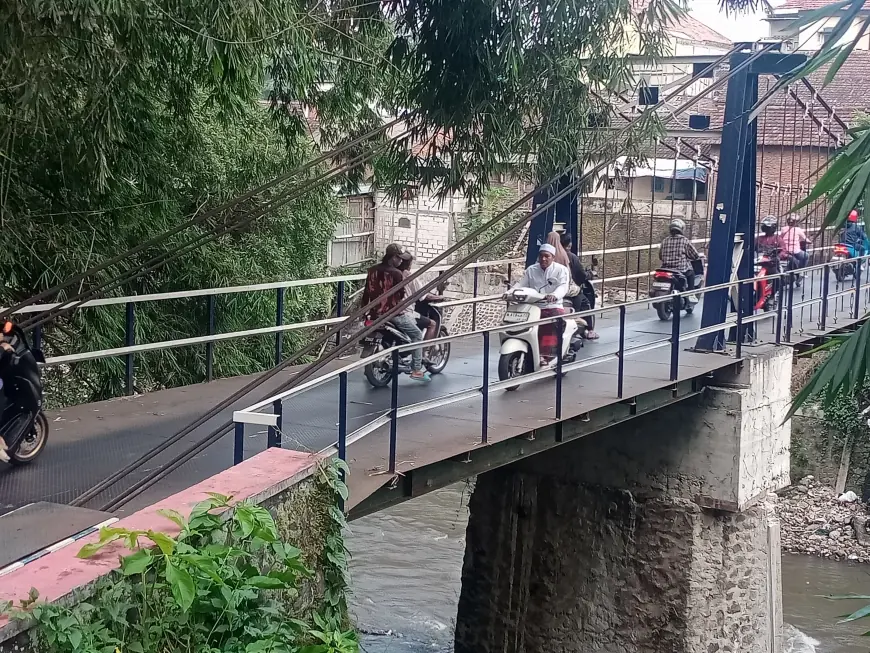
{"x": 814, "y": 521}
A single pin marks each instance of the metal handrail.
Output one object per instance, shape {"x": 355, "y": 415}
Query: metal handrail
{"x": 728, "y": 323}
{"x": 131, "y": 349}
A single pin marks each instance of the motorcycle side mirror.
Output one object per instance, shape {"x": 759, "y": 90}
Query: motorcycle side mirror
{"x": 594, "y": 261}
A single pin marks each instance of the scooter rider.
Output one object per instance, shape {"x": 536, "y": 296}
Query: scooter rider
{"x": 22, "y": 390}
{"x": 678, "y": 253}
{"x": 770, "y": 243}
{"x": 551, "y": 279}
{"x": 853, "y": 235}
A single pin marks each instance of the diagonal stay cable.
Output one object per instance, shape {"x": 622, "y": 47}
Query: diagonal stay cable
{"x": 311, "y": 369}
{"x": 165, "y": 257}
{"x": 199, "y": 219}
{"x": 190, "y": 427}
{"x": 147, "y": 481}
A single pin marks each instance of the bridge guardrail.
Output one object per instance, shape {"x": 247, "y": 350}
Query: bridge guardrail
{"x": 130, "y": 349}
{"x": 782, "y": 329}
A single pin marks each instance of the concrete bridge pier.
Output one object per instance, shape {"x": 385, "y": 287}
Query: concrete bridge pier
{"x": 655, "y": 536}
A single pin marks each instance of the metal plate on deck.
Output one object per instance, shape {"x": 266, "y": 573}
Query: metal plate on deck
{"x": 37, "y": 526}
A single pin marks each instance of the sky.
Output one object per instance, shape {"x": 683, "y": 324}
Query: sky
{"x": 737, "y": 27}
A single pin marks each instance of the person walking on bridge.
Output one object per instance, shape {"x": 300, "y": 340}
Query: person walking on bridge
{"x": 550, "y": 278}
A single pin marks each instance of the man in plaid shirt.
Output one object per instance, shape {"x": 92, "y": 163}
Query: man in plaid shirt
{"x": 677, "y": 252}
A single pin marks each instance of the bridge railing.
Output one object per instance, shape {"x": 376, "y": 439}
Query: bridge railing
{"x": 814, "y": 305}
{"x": 130, "y": 349}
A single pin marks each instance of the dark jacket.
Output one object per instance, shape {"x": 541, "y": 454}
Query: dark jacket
{"x": 19, "y": 372}
{"x": 852, "y": 235}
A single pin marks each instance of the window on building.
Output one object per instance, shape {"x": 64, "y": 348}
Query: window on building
{"x": 658, "y": 184}
{"x": 825, "y": 35}
{"x": 683, "y": 190}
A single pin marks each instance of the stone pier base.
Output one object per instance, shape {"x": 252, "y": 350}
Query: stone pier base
{"x": 658, "y": 536}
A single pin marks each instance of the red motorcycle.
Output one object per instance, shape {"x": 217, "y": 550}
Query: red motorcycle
{"x": 766, "y": 264}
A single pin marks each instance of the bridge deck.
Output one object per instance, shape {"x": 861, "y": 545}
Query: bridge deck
{"x": 89, "y": 442}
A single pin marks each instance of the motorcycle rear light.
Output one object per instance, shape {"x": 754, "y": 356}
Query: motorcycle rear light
{"x": 841, "y": 249}
{"x": 663, "y": 275}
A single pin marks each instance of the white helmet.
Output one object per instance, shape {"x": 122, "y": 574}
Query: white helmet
{"x": 677, "y": 225}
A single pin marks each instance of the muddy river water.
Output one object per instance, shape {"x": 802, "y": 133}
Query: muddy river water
{"x": 406, "y": 577}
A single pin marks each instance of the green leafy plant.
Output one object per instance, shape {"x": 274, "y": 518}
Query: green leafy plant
{"x": 225, "y": 584}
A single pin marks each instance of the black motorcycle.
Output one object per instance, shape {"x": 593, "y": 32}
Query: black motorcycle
{"x": 32, "y": 443}
{"x": 380, "y": 371}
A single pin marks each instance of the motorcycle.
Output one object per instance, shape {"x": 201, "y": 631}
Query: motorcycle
{"x": 668, "y": 282}
{"x": 379, "y": 373}
{"x": 31, "y": 444}
{"x": 767, "y": 290}
{"x": 842, "y": 263}
{"x": 520, "y": 351}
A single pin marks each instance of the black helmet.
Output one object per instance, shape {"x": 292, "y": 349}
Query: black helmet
{"x": 768, "y": 225}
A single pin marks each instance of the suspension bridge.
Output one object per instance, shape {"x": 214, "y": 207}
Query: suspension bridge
{"x": 410, "y": 439}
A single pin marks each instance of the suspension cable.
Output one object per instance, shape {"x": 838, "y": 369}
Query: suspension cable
{"x": 165, "y": 257}
{"x": 156, "y": 240}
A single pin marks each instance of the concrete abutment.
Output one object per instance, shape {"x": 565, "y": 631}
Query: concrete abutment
{"x": 655, "y": 536}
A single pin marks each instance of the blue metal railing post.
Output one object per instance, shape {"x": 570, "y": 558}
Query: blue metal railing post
{"x": 560, "y": 342}
{"x": 675, "y": 337}
{"x": 239, "y": 443}
{"x": 620, "y": 372}
{"x": 274, "y": 438}
{"x": 342, "y": 422}
{"x": 339, "y": 308}
{"x": 279, "y": 321}
{"x": 823, "y": 317}
{"x": 780, "y": 301}
{"x": 788, "y": 315}
{"x": 474, "y": 305}
{"x": 739, "y": 347}
{"x": 394, "y": 410}
{"x": 484, "y": 389}
{"x": 209, "y": 346}
{"x": 130, "y": 340}
{"x": 858, "y": 265}
{"x": 37, "y": 336}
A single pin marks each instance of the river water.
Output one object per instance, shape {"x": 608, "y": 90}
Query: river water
{"x": 406, "y": 564}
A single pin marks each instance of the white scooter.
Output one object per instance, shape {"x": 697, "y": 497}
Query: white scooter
{"x": 520, "y": 348}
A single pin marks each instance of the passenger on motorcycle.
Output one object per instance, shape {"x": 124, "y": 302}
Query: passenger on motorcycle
{"x": 853, "y": 236}
{"x": 585, "y": 300}
{"x": 379, "y": 280}
{"x": 424, "y": 322}
{"x": 677, "y": 253}
{"x": 22, "y": 391}
{"x": 551, "y": 279}
{"x": 795, "y": 240}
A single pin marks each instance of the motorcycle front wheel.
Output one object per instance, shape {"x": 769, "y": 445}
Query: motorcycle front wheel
{"x": 32, "y": 444}
{"x": 379, "y": 372}
{"x": 510, "y": 366}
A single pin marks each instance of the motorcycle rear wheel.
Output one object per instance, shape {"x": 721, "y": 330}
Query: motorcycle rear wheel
{"x": 664, "y": 309}
{"x": 32, "y": 444}
{"x": 438, "y": 355}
